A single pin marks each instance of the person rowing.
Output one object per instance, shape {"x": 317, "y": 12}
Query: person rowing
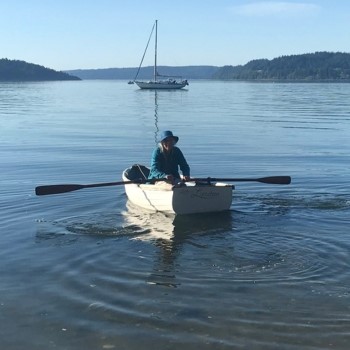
{"x": 167, "y": 159}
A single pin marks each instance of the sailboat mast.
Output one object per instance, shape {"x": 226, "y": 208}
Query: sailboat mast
{"x": 155, "y": 53}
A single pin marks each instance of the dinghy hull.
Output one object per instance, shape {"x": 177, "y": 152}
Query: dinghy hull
{"x": 187, "y": 199}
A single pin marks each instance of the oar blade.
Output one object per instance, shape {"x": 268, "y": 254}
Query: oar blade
{"x": 56, "y": 189}
{"x": 276, "y": 180}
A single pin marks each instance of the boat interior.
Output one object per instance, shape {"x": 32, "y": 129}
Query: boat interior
{"x": 137, "y": 172}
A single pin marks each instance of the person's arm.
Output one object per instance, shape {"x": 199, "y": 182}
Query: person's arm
{"x": 156, "y": 172}
{"x": 183, "y": 164}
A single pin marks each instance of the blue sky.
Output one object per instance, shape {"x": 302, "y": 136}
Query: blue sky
{"x": 72, "y": 34}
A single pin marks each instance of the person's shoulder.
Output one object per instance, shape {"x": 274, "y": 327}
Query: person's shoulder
{"x": 157, "y": 150}
{"x": 177, "y": 149}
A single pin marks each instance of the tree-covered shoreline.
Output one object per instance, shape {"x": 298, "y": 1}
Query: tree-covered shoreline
{"x": 318, "y": 66}
{"x": 15, "y": 70}
{"x": 311, "y": 67}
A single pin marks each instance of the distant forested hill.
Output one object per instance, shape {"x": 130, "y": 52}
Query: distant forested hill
{"x": 319, "y": 66}
{"x": 188, "y": 72}
{"x": 14, "y": 70}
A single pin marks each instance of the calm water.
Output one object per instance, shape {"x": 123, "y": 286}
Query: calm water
{"x": 87, "y": 270}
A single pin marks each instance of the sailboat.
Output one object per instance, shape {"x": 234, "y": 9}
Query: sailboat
{"x": 171, "y": 83}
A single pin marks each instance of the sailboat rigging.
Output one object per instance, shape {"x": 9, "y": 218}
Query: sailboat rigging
{"x": 170, "y": 84}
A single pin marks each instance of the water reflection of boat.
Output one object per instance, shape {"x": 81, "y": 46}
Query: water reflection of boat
{"x": 169, "y": 233}
{"x": 202, "y": 223}
{"x": 149, "y": 225}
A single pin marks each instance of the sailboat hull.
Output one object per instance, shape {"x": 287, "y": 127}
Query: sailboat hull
{"x": 161, "y": 85}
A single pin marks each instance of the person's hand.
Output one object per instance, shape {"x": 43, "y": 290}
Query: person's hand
{"x": 170, "y": 178}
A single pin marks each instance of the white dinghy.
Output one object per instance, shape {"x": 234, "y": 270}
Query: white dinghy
{"x": 190, "y": 198}
{"x": 199, "y": 195}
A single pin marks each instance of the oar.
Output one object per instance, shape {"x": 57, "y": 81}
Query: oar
{"x": 56, "y": 189}
{"x": 275, "y": 180}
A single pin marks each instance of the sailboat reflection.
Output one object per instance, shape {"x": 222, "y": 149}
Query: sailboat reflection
{"x": 156, "y": 116}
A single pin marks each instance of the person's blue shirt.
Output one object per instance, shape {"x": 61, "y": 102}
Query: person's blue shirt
{"x": 168, "y": 163}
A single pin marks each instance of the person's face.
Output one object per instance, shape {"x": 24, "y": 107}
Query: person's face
{"x": 168, "y": 143}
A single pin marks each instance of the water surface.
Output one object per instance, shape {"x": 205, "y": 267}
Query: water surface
{"x": 87, "y": 270}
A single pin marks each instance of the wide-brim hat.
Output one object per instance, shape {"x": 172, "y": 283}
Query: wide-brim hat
{"x": 165, "y": 134}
